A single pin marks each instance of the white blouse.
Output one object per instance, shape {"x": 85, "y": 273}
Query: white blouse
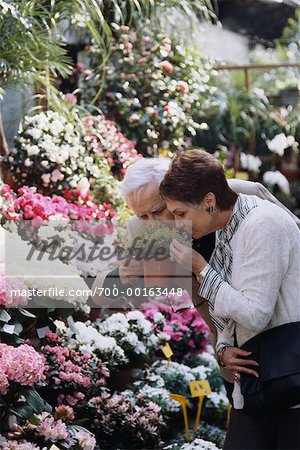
{"x": 265, "y": 284}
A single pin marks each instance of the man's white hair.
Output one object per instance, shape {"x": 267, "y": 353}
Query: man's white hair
{"x": 143, "y": 172}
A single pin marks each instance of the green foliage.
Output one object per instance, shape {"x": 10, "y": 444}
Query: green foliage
{"x": 26, "y": 45}
{"x": 153, "y": 88}
{"x": 32, "y": 404}
{"x": 237, "y": 114}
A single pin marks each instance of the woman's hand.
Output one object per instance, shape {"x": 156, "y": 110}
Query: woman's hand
{"x": 234, "y": 360}
{"x": 186, "y": 257}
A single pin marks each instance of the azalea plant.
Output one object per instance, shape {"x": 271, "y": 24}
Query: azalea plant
{"x": 135, "y": 335}
{"x": 50, "y": 153}
{"x": 153, "y": 88}
{"x": 134, "y": 423}
{"x": 43, "y": 430}
{"x": 187, "y": 330}
{"x": 69, "y": 370}
{"x": 86, "y": 338}
{"x": 27, "y": 204}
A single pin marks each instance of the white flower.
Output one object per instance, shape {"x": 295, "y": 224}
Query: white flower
{"x": 158, "y": 317}
{"x": 27, "y": 162}
{"x": 201, "y": 372}
{"x": 83, "y": 186}
{"x": 160, "y": 396}
{"x": 217, "y": 399}
{"x": 250, "y": 162}
{"x": 56, "y": 127}
{"x": 271, "y": 178}
{"x": 208, "y": 359}
{"x": 60, "y": 325}
{"x": 35, "y": 133}
{"x": 32, "y": 150}
{"x": 279, "y": 143}
{"x": 199, "y": 444}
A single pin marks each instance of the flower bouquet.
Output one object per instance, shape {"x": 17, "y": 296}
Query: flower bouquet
{"x": 152, "y": 246}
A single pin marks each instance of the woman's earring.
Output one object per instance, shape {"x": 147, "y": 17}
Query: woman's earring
{"x": 211, "y": 210}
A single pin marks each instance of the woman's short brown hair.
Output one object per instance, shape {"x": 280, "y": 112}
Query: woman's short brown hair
{"x": 192, "y": 175}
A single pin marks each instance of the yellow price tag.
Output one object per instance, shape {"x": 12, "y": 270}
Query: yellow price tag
{"x": 184, "y": 402}
{"x": 200, "y": 388}
{"x": 167, "y": 351}
{"x": 180, "y": 398}
{"x": 228, "y": 414}
{"x": 53, "y": 447}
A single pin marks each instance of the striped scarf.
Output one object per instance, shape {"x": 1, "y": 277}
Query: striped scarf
{"x": 221, "y": 258}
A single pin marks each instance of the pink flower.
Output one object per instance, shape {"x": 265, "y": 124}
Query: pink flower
{"x": 4, "y": 383}
{"x": 11, "y": 292}
{"x": 79, "y": 66}
{"x": 128, "y": 46}
{"x": 166, "y": 66}
{"x": 133, "y": 118}
{"x": 57, "y": 176}
{"x": 183, "y": 87}
{"x": 46, "y": 178}
{"x": 85, "y": 440}
{"x": 52, "y": 430}
{"x": 71, "y": 98}
{"x": 86, "y": 73}
{"x": 65, "y": 413}
{"x": 23, "y": 364}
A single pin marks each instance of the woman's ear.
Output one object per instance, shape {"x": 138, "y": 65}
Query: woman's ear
{"x": 210, "y": 201}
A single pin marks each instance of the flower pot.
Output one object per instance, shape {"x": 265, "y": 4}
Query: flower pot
{"x": 159, "y": 273}
{"x": 119, "y": 380}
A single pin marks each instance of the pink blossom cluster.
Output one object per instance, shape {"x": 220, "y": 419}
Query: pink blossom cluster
{"x": 105, "y": 139}
{"x": 140, "y": 421}
{"x": 187, "y": 329}
{"x": 19, "y": 445}
{"x": 64, "y": 413}
{"x": 9, "y": 289}
{"x": 66, "y": 366}
{"x": 28, "y": 204}
{"x": 21, "y": 364}
{"x": 85, "y": 440}
{"x": 73, "y": 400}
{"x": 52, "y": 430}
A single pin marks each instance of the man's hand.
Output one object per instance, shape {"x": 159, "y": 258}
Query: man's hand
{"x": 131, "y": 272}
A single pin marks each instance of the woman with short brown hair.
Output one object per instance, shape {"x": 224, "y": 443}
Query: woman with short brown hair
{"x": 252, "y": 286}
